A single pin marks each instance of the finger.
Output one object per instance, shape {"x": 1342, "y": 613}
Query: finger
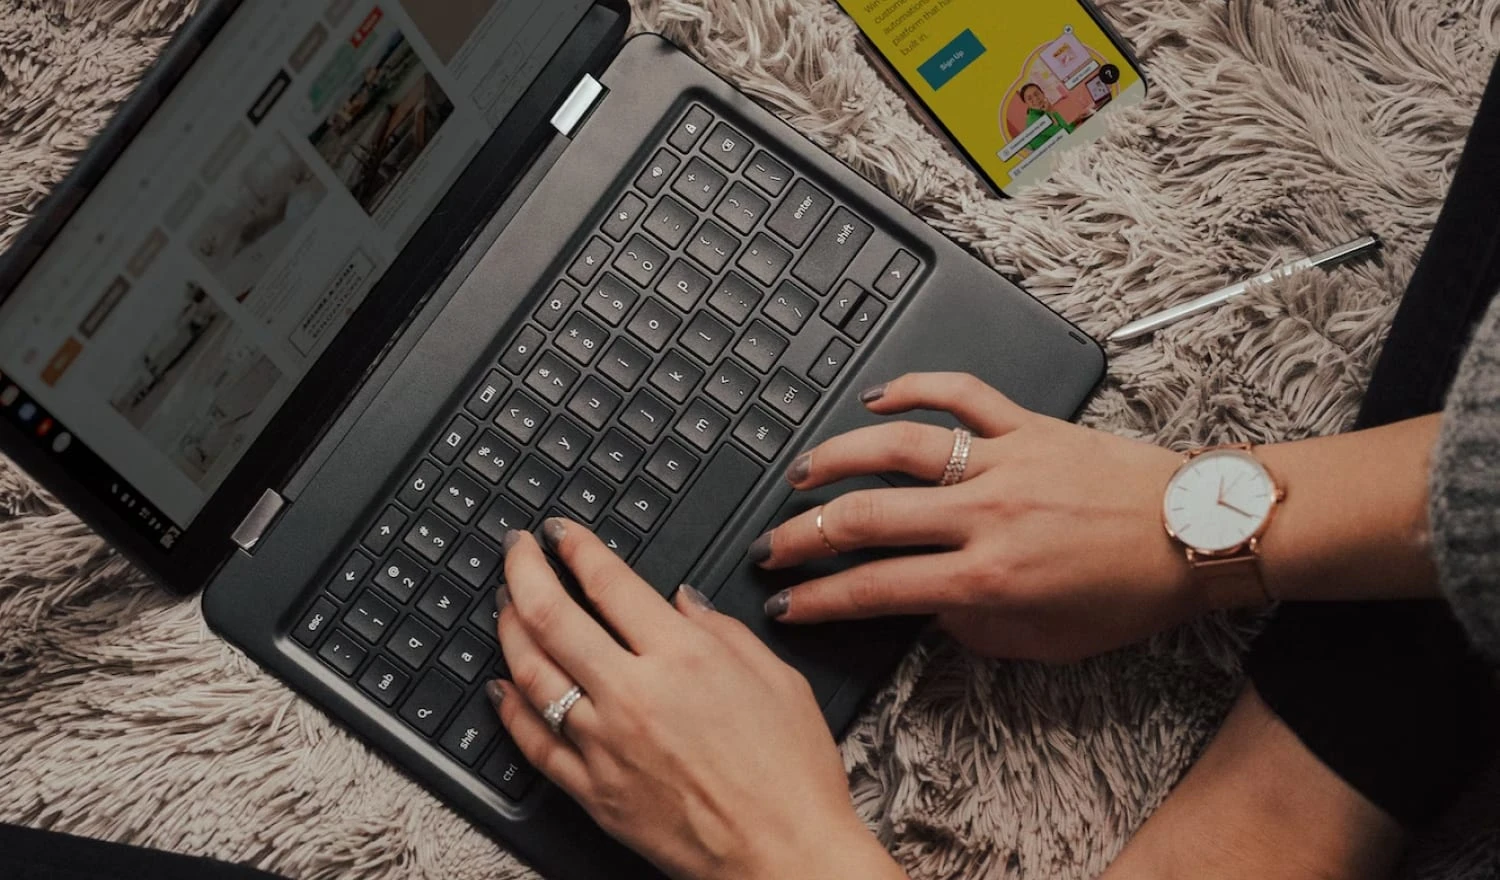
{"x": 870, "y": 518}
{"x": 562, "y": 629}
{"x": 539, "y": 678}
{"x": 628, "y": 604}
{"x": 557, "y": 759}
{"x": 984, "y": 410}
{"x": 922, "y": 584}
{"x": 918, "y": 450}
{"x": 734, "y": 635}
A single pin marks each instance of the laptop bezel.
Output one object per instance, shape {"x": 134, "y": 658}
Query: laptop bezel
{"x": 339, "y": 372}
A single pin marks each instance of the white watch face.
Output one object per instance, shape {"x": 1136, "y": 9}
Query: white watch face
{"x": 1219, "y": 500}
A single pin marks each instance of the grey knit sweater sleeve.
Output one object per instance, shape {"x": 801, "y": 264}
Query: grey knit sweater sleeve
{"x": 1465, "y": 489}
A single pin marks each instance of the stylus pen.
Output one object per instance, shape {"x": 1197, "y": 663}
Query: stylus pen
{"x": 1360, "y": 247}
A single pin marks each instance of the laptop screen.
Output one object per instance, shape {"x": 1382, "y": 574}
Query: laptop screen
{"x": 179, "y": 307}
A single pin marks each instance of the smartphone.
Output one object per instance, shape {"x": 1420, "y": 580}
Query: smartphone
{"x": 1008, "y": 86}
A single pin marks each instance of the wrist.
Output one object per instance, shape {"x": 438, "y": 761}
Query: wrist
{"x": 850, "y": 851}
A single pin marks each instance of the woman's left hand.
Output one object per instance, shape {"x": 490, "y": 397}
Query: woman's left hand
{"x": 693, "y": 744}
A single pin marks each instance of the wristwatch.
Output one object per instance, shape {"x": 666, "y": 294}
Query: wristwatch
{"x": 1217, "y": 507}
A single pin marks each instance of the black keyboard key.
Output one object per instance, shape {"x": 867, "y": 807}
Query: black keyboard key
{"x": 431, "y": 536}
{"x": 565, "y": 442}
{"x": 582, "y": 339}
{"x": 670, "y": 222}
{"x": 690, "y": 130}
{"x": 472, "y": 731}
{"x": 706, "y": 337}
{"x": 616, "y": 455}
{"x": 534, "y": 482}
{"x": 384, "y": 681}
{"x": 687, "y": 533}
{"x": 735, "y": 298}
{"x": 487, "y": 396}
{"x": 641, "y": 505}
{"x": 611, "y": 299}
{"x": 672, "y": 464}
{"x": 400, "y": 576}
{"x": 342, "y": 653}
{"x": 350, "y": 575}
{"x": 623, "y": 217}
{"x": 624, "y": 363}
{"x": 504, "y": 516}
{"x": 832, "y": 251}
{"x": 587, "y": 495}
{"x": 646, "y": 415}
{"x": 641, "y": 261}
{"x": 768, "y": 173}
{"x": 654, "y": 324}
{"x": 862, "y": 319}
{"x": 443, "y": 602}
{"x": 728, "y": 147}
{"x": 831, "y": 362}
{"x": 702, "y": 425}
{"x": 460, "y": 432}
{"x": 419, "y": 485}
{"x": 385, "y": 530}
{"x": 486, "y": 617}
{"x": 713, "y": 246}
{"x": 791, "y": 307}
{"x": 800, "y": 213}
{"x": 761, "y": 347}
{"x": 461, "y": 497}
{"x": 508, "y": 771}
{"x": 318, "y": 619}
{"x": 731, "y": 386}
{"x": 518, "y": 354}
{"x": 491, "y": 457}
{"x": 765, "y": 260}
{"x": 555, "y": 307}
{"x": 897, "y": 274}
{"x": 657, "y": 173}
{"x": 789, "y": 396}
{"x": 742, "y": 208}
{"x": 551, "y": 377}
{"x": 594, "y": 403}
{"x": 676, "y": 377}
{"x": 843, "y": 303}
{"x": 618, "y": 538}
{"x": 474, "y": 561}
{"x": 584, "y": 270}
{"x": 699, "y": 184}
{"x": 431, "y": 701}
{"x": 413, "y": 642}
{"x": 521, "y": 417}
{"x": 763, "y": 433}
{"x": 683, "y": 286}
{"x": 369, "y": 616}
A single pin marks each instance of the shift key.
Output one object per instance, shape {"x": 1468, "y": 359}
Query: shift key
{"x": 686, "y": 534}
{"x": 832, "y": 251}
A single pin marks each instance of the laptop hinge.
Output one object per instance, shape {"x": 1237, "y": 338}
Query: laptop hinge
{"x": 586, "y": 96}
{"x": 253, "y": 527}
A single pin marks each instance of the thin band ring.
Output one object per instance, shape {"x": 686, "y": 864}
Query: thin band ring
{"x": 824, "y": 535}
{"x": 958, "y": 462}
{"x": 557, "y": 710}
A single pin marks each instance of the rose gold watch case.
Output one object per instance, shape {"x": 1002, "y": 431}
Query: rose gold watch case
{"x": 1250, "y": 547}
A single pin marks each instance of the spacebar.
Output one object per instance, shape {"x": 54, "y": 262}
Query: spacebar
{"x": 697, "y": 520}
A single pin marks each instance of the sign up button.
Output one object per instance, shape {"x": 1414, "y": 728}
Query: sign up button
{"x": 951, "y": 61}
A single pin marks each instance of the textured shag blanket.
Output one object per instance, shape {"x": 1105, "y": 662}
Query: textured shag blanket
{"x": 1276, "y": 128}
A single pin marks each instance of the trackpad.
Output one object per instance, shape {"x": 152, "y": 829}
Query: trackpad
{"x": 861, "y": 653}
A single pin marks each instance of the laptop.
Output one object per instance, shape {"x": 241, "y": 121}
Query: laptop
{"x": 352, "y": 287}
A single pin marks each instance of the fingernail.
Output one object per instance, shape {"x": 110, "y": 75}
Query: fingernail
{"x": 777, "y": 605}
{"x": 760, "y": 551}
{"x": 508, "y": 543}
{"x": 870, "y": 395}
{"x": 553, "y": 531}
{"x": 502, "y": 598}
{"x": 799, "y": 469}
{"x": 496, "y": 694}
{"x": 696, "y": 597}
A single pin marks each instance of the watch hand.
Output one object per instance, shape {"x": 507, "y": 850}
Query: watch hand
{"x": 1236, "y": 509}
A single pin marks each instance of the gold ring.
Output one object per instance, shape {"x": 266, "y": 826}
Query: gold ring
{"x": 958, "y": 462}
{"x": 824, "y": 535}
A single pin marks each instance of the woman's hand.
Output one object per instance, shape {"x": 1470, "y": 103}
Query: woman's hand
{"x": 1052, "y": 547}
{"x": 693, "y": 744}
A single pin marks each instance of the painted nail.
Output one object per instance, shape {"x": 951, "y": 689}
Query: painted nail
{"x": 799, "y": 469}
{"x": 496, "y": 694}
{"x": 502, "y": 598}
{"x": 870, "y": 395}
{"x": 778, "y": 604}
{"x": 696, "y": 597}
{"x": 508, "y": 543}
{"x": 760, "y": 551}
{"x": 553, "y": 531}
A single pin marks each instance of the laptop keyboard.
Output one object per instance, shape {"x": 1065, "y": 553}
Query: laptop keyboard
{"x": 676, "y": 358}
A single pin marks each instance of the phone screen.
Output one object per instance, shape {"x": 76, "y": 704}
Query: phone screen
{"x": 1013, "y": 84}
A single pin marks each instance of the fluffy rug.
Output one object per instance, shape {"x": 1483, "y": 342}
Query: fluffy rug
{"x": 1275, "y": 128}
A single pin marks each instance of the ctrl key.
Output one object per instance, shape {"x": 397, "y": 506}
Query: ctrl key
{"x": 508, "y": 771}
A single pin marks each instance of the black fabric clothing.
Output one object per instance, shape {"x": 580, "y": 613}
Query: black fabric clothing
{"x": 1391, "y": 695}
{"x": 43, "y": 855}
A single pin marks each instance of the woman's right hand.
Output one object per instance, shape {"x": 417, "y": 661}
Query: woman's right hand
{"x": 1051, "y": 549}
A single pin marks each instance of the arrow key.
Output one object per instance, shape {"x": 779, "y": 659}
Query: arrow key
{"x": 378, "y": 539}
{"x": 829, "y": 364}
{"x": 349, "y": 577}
{"x": 862, "y": 320}
{"x": 897, "y": 275}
